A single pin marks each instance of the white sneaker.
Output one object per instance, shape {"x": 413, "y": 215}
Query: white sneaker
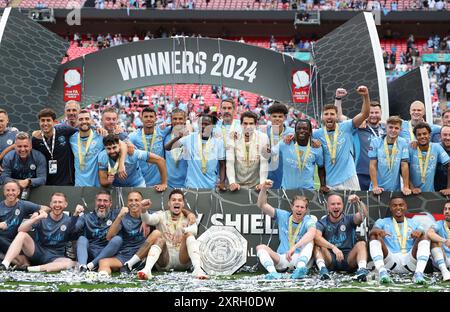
{"x": 446, "y": 275}
{"x": 200, "y": 274}
{"x": 102, "y": 275}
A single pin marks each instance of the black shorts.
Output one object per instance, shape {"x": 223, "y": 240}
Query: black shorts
{"x": 5, "y": 242}
{"x": 341, "y": 265}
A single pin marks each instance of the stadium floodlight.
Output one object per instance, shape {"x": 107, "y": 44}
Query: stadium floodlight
{"x": 42, "y": 15}
{"x": 306, "y": 18}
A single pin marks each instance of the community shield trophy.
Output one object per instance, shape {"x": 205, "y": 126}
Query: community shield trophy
{"x": 223, "y": 250}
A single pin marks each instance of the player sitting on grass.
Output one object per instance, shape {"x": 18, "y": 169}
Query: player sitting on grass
{"x": 296, "y": 233}
{"x": 398, "y": 243}
{"x": 177, "y": 248}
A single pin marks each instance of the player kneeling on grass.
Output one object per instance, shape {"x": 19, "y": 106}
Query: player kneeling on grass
{"x": 128, "y": 225}
{"x": 296, "y": 233}
{"x": 398, "y": 243}
{"x": 177, "y": 248}
{"x": 336, "y": 247}
{"x": 52, "y": 232}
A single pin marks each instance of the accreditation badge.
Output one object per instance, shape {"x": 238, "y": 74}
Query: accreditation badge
{"x": 52, "y": 166}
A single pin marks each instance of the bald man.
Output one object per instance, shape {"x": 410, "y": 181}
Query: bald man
{"x": 417, "y": 113}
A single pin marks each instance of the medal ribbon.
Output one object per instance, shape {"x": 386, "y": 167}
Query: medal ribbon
{"x": 423, "y": 166}
{"x": 390, "y": 157}
{"x": 301, "y": 165}
{"x": 82, "y": 155}
{"x": 113, "y": 170}
{"x": 446, "y": 229}
{"x": 411, "y": 133}
{"x": 202, "y": 152}
{"x": 144, "y": 140}
{"x": 332, "y": 149}
{"x": 224, "y": 133}
{"x": 292, "y": 237}
{"x": 272, "y": 143}
{"x": 401, "y": 238}
{"x": 176, "y": 225}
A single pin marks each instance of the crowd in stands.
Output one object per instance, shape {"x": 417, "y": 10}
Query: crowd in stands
{"x": 385, "y": 6}
{"x": 400, "y": 56}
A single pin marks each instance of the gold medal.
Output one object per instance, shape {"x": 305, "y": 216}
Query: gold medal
{"x": 81, "y": 155}
{"x": 144, "y": 140}
{"x": 423, "y": 166}
{"x": 390, "y": 157}
{"x": 203, "y": 152}
{"x": 301, "y": 165}
{"x": 332, "y": 148}
{"x": 293, "y": 236}
{"x": 401, "y": 238}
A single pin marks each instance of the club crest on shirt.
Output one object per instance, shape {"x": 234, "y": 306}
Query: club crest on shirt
{"x": 9, "y": 142}
{"x": 33, "y": 167}
{"x": 108, "y": 223}
{"x": 343, "y": 228}
{"x": 62, "y": 140}
{"x": 63, "y": 228}
{"x": 17, "y": 212}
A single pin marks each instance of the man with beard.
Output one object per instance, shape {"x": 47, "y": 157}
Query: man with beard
{"x": 204, "y": 152}
{"x": 296, "y": 231}
{"x": 110, "y": 121}
{"x": 52, "y": 231}
{"x": 369, "y": 130}
{"x": 92, "y": 244}
{"x": 388, "y": 156}
{"x": 86, "y": 147}
{"x": 149, "y": 139}
{"x": 423, "y": 161}
{"x": 227, "y": 127}
{"x": 108, "y": 165}
{"x": 300, "y": 159}
{"x": 336, "y": 246}
{"x": 440, "y": 179}
{"x": 417, "y": 113}
{"x": 247, "y": 155}
{"x": 175, "y": 161}
{"x": 337, "y": 142}
{"x": 276, "y": 132}
{"x": 12, "y": 212}
{"x": 127, "y": 225}
{"x": 176, "y": 248}
{"x": 71, "y": 111}
{"x": 439, "y": 235}
{"x": 25, "y": 165}
{"x": 399, "y": 244}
